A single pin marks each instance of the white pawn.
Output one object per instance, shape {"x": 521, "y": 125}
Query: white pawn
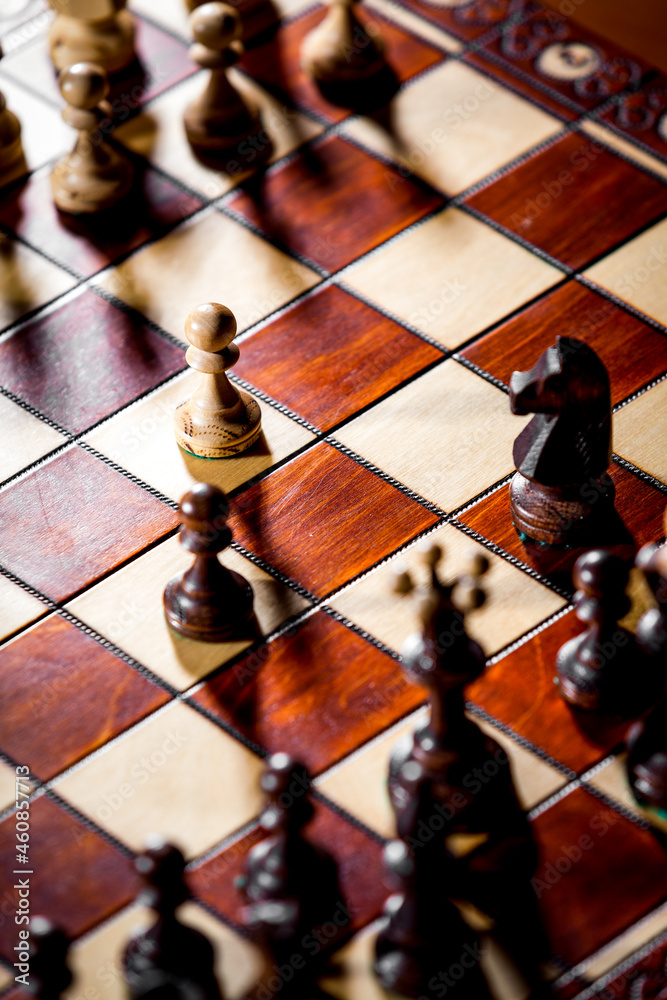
{"x": 220, "y": 120}
{"x": 93, "y": 177}
{"x": 12, "y": 160}
{"x": 97, "y": 31}
{"x": 340, "y": 50}
{"x": 217, "y": 421}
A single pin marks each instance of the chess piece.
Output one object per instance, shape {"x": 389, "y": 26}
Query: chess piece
{"x": 95, "y": 31}
{"x": 49, "y": 975}
{"x": 425, "y": 934}
{"x": 469, "y": 778}
{"x": 169, "y": 959}
{"x": 563, "y": 454}
{"x": 208, "y": 602}
{"x": 221, "y": 124}
{"x": 12, "y": 160}
{"x": 291, "y": 887}
{"x": 646, "y": 763}
{"x": 217, "y": 421}
{"x": 596, "y": 669}
{"x": 94, "y": 176}
{"x": 340, "y": 50}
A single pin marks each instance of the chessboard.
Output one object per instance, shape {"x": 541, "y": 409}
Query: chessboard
{"x": 389, "y": 271}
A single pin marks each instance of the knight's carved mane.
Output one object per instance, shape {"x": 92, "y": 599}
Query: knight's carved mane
{"x": 571, "y": 442}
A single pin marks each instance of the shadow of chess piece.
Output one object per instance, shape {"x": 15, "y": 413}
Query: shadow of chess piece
{"x": 562, "y": 456}
{"x": 425, "y": 934}
{"x": 12, "y": 160}
{"x": 217, "y": 421}
{"x": 208, "y": 602}
{"x": 96, "y": 31}
{"x": 290, "y": 886}
{"x": 646, "y": 764}
{"x": 602, "y": 670}
{"x": 222, "y": 128}
{"x": 346, "y": 60}
{"x": 170, "y": 959}
{"x": 49, "y": 975}
{"x": 94, "y": 176}
{"x": 469, "y": 774}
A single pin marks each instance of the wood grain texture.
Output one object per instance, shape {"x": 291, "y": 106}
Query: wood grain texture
{"x": 66, "y": 491}
{"x": 467, "y": 20}
{"x": 640, "y": 431}
{"x": 27, "y": 281}
{"x": 316, "y": 694}
{"x": 639, "y": 505}
{"x": 632, "y": 352}
{"x": 519, "y": 690}
{"x": 94, "y": 879}
{"x": 49, "y": 718}
{"x": 33, "y": 437}
{"x": 575, "y": 200}
{"x": 348, "y": 355}
{"x": 86, "y": 246}
{"x": 302, "y": 204}
{"x": 84, "y": 361}
{"x": 357, "y": 855}
{"x": 550, "y": 102}
{"x": 277, "y": 63}
{"x": 348, "y": 518}
{"x": 584, "y": 908}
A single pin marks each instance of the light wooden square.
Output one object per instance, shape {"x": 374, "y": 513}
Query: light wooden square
{"x": 637, "y": 272}
{"x": 453, "y": 126}
{"x": 7, "y": 786}
{"x": 208, "y": 259}
{"x": 142, "y": 440}
{"x": 626, "y": 944}
{"x": 475, "y": 277}
{"x": 448, "y": 435}
{"x": 31, "y": 438}
{"x": 26, "y": 282}
{"x": 127, "y": 609}
{"x": 5, "y": 978}
{"x": 176, "y": 775}
{"x": 17, "y": 607}
{"x": 640, "y": 431}
{"x": 158, "y": 134}
{"x": 359, "y": 784}
{"x": 415, "y": 24}
{"x": 515, "y": 602}
{"x": 96, "y": 961}
{"x": 627, "y": 149}
{"x": 44, "y": 135}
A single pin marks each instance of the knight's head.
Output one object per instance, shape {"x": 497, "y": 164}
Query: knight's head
{"x": 569, "y": 375}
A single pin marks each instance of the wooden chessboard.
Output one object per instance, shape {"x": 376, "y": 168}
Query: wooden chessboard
{"x": 388, "y": 274}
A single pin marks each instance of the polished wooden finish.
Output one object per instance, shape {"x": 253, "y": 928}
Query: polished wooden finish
{"x": 217, "y": 421}
{"x": 94, "y": 176}
{"x": 98, "y": 31}
{"x": 563, "y": 454}
{"x": 208, "y": 602}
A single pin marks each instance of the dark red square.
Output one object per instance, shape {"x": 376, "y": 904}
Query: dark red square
{"x": 62, "y": 695}
{"x": 84, "y": 361}
{"x": 347, "y": 354}
{"x": 633, "y": 352}
{"x": 519, "y": 691}
{"x": 342, "y": 689}
{"x": 304, "y": 203}
{"x": 163, "y": 61}
{"x": 472, "y": 19}
{"x": 598, "y": 874}
{"x": 323, "y": 519}
{"x": 357, "y": 855}
{"x": 83, "y": 244}
{"x": 575, "y": 200}
{"x": 78, "y": 878}
{"x": 277, "y": 63}
{"x": 74, "y": 519}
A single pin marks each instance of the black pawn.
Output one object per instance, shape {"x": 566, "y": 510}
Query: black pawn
{"x": 169, "y": 961}
{"x": 291, "y": 886}
{"x": 49, "y": 975}
{"x": 600, "y": 670}
{"x": 208, "y": 602}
